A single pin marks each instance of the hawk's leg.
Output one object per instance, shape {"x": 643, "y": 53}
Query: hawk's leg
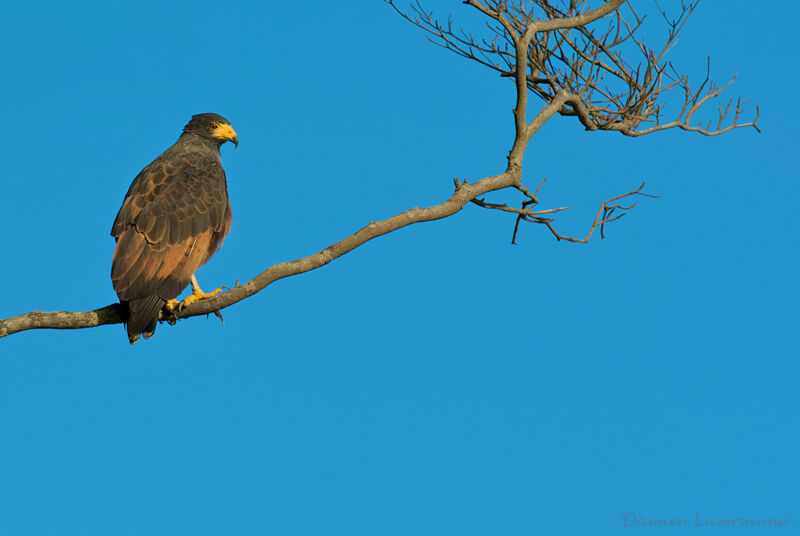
{"x": 198, "y": 294}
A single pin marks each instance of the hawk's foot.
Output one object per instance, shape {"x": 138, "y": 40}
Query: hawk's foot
{"x": 197, "y": 295}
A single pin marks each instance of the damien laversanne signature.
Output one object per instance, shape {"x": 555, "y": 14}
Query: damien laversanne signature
{"x": 632, "y": 520}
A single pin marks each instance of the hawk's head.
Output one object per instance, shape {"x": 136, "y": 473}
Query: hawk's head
{"x": 212, "y": 127}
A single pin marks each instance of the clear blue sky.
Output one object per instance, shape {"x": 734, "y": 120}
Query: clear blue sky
{"x": 437, "y": 381}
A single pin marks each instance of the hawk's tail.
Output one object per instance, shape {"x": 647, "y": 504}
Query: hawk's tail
{"x": 143, "y": 317}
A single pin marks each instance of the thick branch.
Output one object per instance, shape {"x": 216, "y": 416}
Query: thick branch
{"x": 576, "y": 21}
{"x": 112, "y": 314}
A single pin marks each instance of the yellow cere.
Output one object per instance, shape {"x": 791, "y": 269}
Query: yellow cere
{"x": 225, "y": 132}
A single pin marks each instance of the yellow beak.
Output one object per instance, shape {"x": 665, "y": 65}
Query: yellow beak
{"x": 226, "y": 133}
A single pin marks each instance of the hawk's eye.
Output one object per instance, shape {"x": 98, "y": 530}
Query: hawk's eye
{"x": 212, "y": 126}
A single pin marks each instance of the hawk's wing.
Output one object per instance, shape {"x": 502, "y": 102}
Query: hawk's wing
{"x": 174, "y": 217}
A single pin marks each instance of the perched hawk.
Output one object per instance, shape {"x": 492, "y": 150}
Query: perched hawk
{"x": 174, "y": 218}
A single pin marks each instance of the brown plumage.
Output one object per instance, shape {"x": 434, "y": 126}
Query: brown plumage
{"x": 175, "y": 216}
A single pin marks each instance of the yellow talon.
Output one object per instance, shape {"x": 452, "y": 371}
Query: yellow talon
{"x": 197, "y": 295}
{"x": 174, "y": 306}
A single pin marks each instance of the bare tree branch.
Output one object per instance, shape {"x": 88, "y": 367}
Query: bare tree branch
{"x": 606, "y": 214}
{"x": 113, "y": 314}
{"x": 564, "y": 58}
{"x": 581, "y": 62}
{"x": 110, "y": 314}
{"x": 575, "y": 21}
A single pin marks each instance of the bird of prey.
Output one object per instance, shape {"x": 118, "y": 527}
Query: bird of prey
{"x": 174, "y": 218}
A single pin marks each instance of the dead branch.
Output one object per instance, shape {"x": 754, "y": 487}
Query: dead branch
{"x": 561, "y": 55}
{"x": 607, "y": 212}
{"x": 605, "y": 75}
{"x": 112, "y": 314}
